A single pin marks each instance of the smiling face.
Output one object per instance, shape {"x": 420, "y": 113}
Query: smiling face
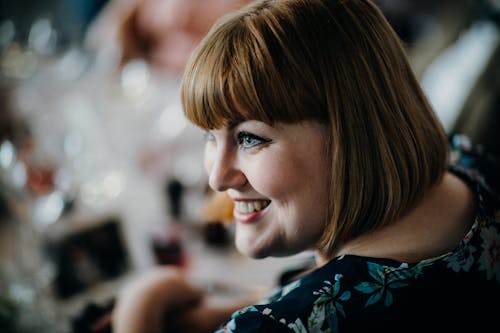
{"x": 278, "y": 179}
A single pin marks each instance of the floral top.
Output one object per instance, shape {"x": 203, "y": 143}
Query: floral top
{"x": 455, "y": 292}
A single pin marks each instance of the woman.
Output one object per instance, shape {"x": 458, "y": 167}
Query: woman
{"x": 319, "y": 132}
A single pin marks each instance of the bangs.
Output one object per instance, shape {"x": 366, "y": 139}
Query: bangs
{"x": 240, "y": 71}
{"x": 214, "y": 90}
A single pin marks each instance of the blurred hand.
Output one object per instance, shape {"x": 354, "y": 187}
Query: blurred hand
{"x": 162, "y": 301}
{"x": 147, "y": 303}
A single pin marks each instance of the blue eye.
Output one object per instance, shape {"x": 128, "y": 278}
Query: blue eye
{"x": 248, "y": 140}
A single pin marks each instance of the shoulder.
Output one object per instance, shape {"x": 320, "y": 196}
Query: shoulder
{"x": 304, "y": 305}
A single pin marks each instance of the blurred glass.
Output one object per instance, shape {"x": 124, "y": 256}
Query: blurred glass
{"x": 7, "y": 32}
{"x": 7, "y": 154}
{"x": 42, "y": 37}
{"x": 135, "y": 81}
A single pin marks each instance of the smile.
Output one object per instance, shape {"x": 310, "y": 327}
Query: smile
{"x": 248, "y": 207}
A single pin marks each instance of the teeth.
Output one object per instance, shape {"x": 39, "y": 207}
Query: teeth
{"x": 250, "y": 206}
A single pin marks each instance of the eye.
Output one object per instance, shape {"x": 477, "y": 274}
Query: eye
{"x": 248, "y": 140}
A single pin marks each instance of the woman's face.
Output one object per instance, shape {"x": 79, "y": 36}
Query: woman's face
{"x": 277, "y": 177}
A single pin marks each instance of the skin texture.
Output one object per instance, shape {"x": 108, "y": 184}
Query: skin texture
{"x": 434, "y": 227}
{"x": 283, "y": 165}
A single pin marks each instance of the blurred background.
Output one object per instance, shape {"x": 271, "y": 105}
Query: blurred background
{"x": 101, "y": 177}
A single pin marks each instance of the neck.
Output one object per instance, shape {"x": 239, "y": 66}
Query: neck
{"x": 434, "y": 227}
{"x": 322, "y": 259}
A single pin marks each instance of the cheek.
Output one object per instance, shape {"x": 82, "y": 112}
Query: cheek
{"x": 270, "y": 177}
{"x": 297, "y": 178}
{"x": 269, "y": 185}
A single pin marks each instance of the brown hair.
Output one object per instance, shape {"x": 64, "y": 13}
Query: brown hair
{"x": 340, "y": 63}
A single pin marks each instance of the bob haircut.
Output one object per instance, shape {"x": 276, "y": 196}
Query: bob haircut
{"x": 337, "y": 62}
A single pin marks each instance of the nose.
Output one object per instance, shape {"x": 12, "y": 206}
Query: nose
{"x": 223, "y": 170}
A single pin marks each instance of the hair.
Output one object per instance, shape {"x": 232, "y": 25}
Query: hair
{"x": 340, "y": 63}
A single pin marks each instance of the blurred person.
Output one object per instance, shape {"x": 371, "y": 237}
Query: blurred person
{"x": 319, "y": 132}
{"x": 162, "y": 32}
